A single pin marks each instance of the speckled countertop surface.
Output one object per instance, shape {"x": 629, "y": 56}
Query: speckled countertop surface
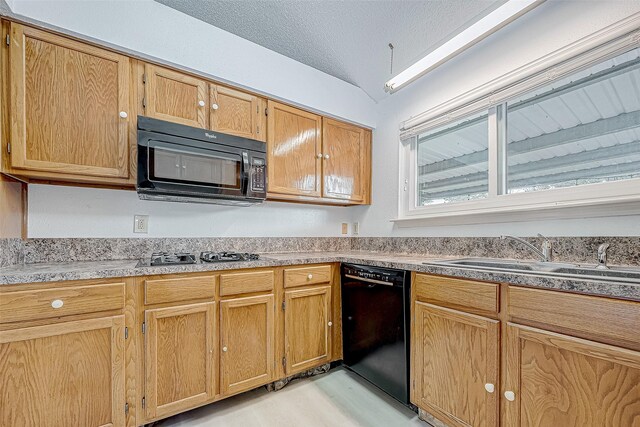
{"x": 50, "y": 272}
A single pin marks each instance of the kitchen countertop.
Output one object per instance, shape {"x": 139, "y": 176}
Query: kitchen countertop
{"x": 53, "y": 272}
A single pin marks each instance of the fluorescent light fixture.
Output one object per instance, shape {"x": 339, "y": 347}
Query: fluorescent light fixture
{"x": 491, "y": 23}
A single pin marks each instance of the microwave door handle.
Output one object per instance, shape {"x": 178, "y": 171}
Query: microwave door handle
{"x": 245, "y": 173}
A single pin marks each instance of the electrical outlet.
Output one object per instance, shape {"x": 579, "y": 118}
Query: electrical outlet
{"x": 355, "y": 230}
{"x": 141, "y": 224}
{"x": 345, "y": 228}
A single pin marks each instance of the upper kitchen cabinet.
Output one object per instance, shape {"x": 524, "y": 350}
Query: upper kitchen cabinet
{"x": 68, "y": 109}
{"x": 294, "y": 150}
{"x": 237, "y": 113}
{"x": 346, "y": 165}
{"x": 175, "y": 97}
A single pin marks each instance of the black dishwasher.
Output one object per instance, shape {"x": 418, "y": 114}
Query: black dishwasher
{"x": 375, "y": 326}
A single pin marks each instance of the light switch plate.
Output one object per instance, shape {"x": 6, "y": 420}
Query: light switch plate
{"x": 345, "y": 228}
{"x": 141, "y": 224}
{"x": 355, "y": 230}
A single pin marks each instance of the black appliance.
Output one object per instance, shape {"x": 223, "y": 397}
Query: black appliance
{"x": 187, "y": 164}
{"x": 375, "y": 326}
{"x": 227, "y": 256}
{"x": 169, "y": 258}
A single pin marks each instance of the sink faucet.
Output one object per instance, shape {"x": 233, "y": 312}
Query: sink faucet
{"x": 602, "y": 256}
{"x": 545, "y": 254}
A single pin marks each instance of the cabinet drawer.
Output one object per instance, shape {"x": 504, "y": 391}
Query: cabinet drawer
{"x": 180, "y": 289}
{"x": 307, "y": 276}
{"x": 457, "y": 293}
{"x": 244, "y": 283}
{"x": 600, "y": 319}
{"x": 57, "y": 302}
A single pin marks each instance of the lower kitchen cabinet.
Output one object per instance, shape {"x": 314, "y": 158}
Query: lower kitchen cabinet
{"x": 180, "y": 356}
{"x": 455, "y": 368}
{"x": 558, "y": 380}
{"x": 64, "y": 374}
{"x": 247, "y": 341}
{"x": 308, "y": 328}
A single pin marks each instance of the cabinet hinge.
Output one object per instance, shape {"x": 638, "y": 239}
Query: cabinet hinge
{"x": 144, "y": 78}
{"x": 283, "y": 305}
{"x": 8, "y": 40}
{"x": 126, "y": 332}
{"x": 9, "y": 147}
{"x": 144, "y": 102}
{"x": 284, "y": 362}
{"x": 144, "y": 327}
{"x": 126, "y": 408}
{"x": 258, "y": 129}
{"x": 143, "y": 402}
{"x": 266, "y": 111}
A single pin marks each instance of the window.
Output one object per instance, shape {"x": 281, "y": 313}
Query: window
{"x": 584, "y": 129}
{"x": 567, "y": 137}
{"x": 453, "y": 163}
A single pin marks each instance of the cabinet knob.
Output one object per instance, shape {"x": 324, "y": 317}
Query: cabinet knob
{"x": 310, "y": 276}
{"x": 489, "y": 387}
{"x": 224, "y": 349}
{"x": 201, "y": 103}
{"x": 326, "y": 157}
{"x": 215, "y": 106}
{"x": 319, "y": 155}
{"x": 330, "y": 323}
{"x": 123, "y": 114}
{"x": 509, "y": 395}
{"x": 57, "y": 303}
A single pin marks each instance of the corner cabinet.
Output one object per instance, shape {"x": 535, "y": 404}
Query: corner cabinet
{"x": 68, "y": 109}
{"x": 317, "y": 160}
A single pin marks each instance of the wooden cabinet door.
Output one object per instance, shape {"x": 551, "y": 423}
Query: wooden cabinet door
{"x": 247, "y": 332}
{"x": 180, "y": 372}
{"x": 66, "y": 374}
{"x": 175, "y": 97}
{"x": 455, "y": 363}
{"x": 294, "y": 151}
{"x": 237, "y": 113}
{"x": 68, "y": 105}
{"x": 307, "y": 328}
{"x": 557, "y": 380}
{"x": 346, "y": 160}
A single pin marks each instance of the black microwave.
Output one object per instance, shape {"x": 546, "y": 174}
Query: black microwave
{"x": 187, "y": 164}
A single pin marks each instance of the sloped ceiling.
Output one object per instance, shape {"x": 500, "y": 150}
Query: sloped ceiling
{"x": 347, "y": 39}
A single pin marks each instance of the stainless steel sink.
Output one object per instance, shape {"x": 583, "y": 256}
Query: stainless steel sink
{"x": 627, "y": 274}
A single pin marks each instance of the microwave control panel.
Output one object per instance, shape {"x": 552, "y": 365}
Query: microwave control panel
{"x": 258, "y": 174}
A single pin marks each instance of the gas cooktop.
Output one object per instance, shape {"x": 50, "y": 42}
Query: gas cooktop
{"x": 227, "y": 256}
{"x": 172, "y": 258}
{"x": 179, "y": 258}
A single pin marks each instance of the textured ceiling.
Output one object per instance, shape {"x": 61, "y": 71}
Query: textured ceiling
{"x": 347, "y": 39}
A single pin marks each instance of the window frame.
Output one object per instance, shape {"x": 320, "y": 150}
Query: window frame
{"x": 613, "y": 198}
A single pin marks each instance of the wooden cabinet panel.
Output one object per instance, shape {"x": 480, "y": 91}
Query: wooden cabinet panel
{"x": 455, "y": 356}
{"x": 303, "y": 276}
{"x": 293, "y": 150}
{"x": 308, "y": 328}
{"x": 158, "y": 291}
{"x": 180, "y": 372}
{"x": 237, "y": 113}
{"x": 557, "y": 380}
{"x": 247, "y": 334}
{"x": 175, "y": 97}
{"x": 344, "y": 167}
{"x": 612, "y": 321}
{"x": 67, "y": 374}
{"x": 457, "y": 293}
{"x": 57, "y": 302}
{"x": 253, "y": 281}
{"x": 66, "y": 100}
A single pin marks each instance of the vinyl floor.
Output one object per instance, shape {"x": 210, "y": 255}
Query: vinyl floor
{"x": 338, "y": 398}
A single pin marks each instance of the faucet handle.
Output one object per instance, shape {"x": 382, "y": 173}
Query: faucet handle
{"x": 602, "y": 255}
{"x": 603, "y": 248}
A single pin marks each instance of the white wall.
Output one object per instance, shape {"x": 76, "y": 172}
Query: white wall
{"x": 155, "y": 30}
{"x": 551, "y": 26}
{"x": 56, "y": 211}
